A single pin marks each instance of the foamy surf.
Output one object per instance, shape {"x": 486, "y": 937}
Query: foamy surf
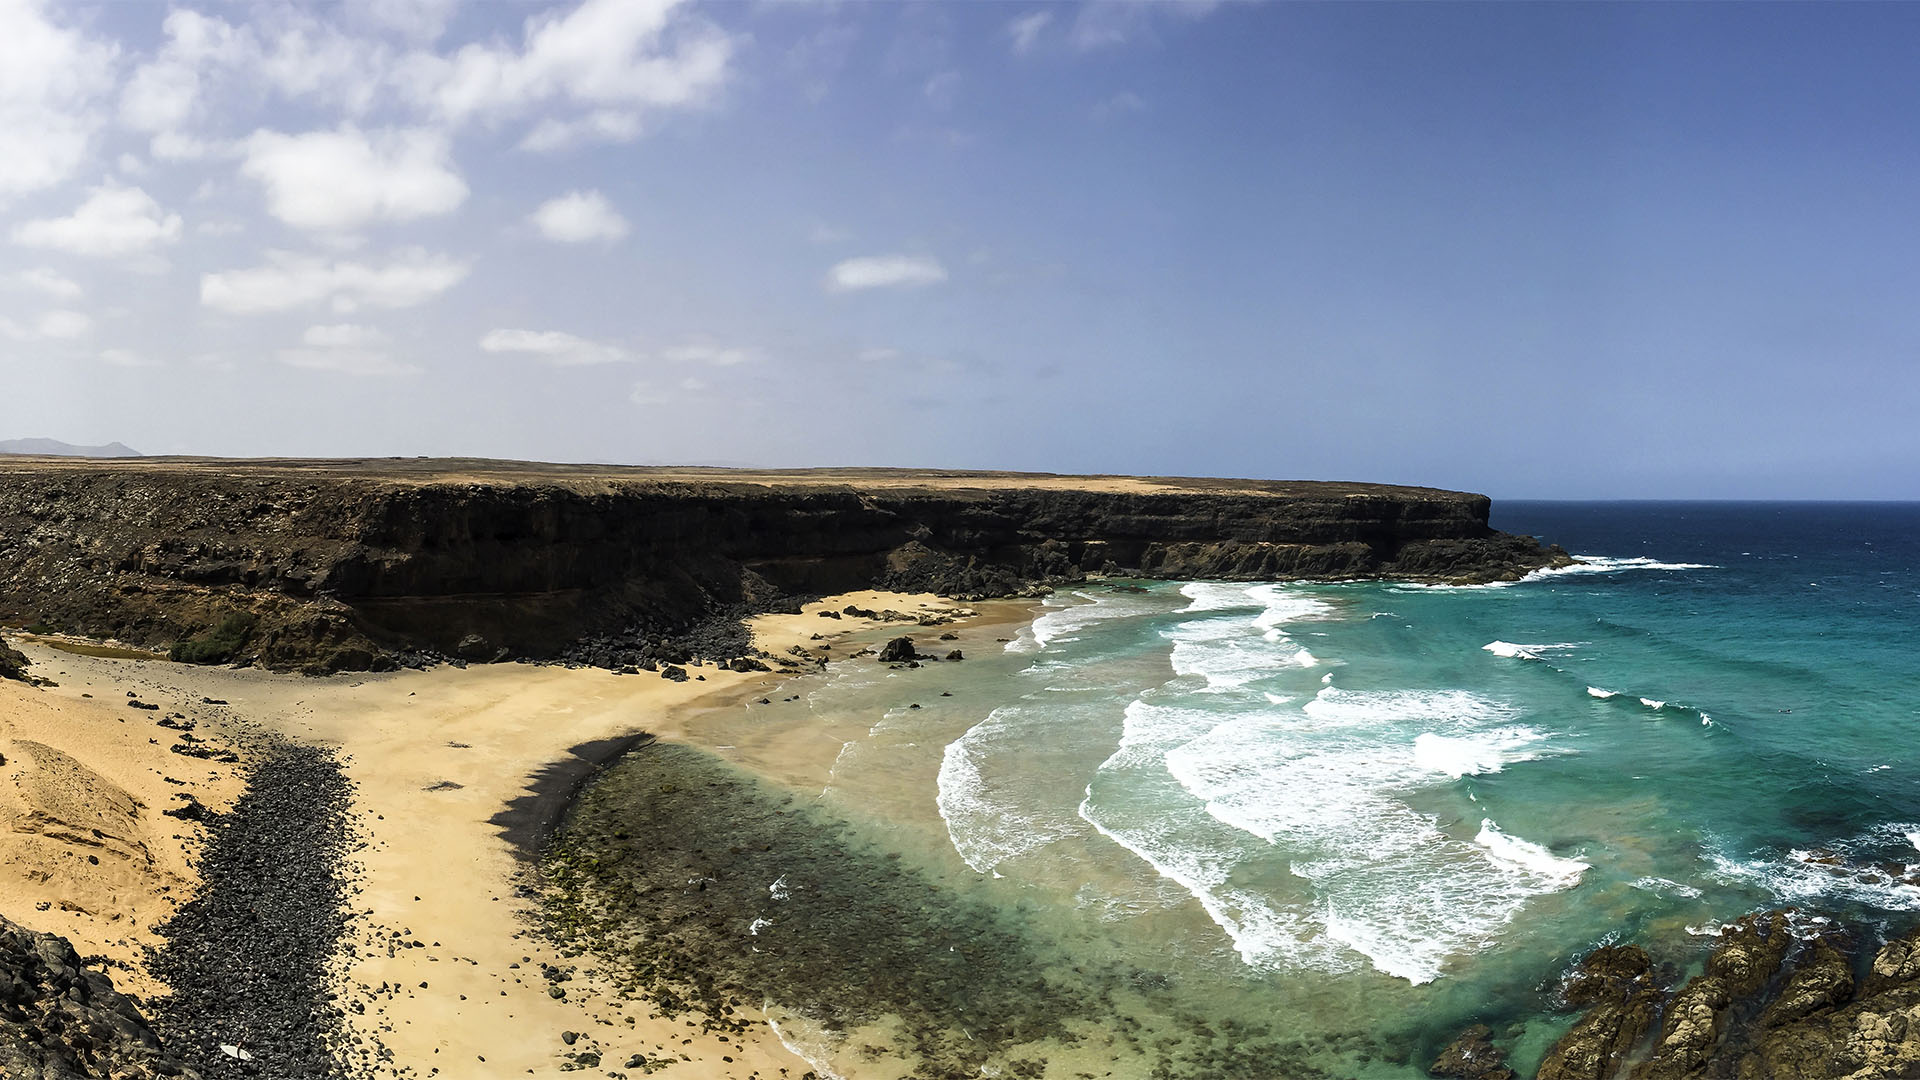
{"x": 990, "y": 815}
{"x": 1603, "y": 564}
{"x": 1512, "y": 651}
{"x": 1529, "y": 857}
{"x": 1458, "y": 756}
{"x": 1870, "y": 868}
{"x": 1325, "y": 784}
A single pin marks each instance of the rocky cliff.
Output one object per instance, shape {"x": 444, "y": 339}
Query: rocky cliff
{"x": 342, "y": 564}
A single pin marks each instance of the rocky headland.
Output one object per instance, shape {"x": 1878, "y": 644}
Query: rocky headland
{"x": 1782, "y": 997}
{"x": 355, "y": 565}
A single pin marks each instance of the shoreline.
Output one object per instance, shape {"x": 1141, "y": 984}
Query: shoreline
{"x": 457, "y": 775}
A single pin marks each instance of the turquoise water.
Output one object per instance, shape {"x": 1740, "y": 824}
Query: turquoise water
{"x": 1364, "y": 814}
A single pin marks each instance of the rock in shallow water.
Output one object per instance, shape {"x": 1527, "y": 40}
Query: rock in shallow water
{"x": 1472, "y": 1056}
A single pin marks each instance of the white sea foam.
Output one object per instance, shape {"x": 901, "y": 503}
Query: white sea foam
{"x": 778, "y": 890}
{"x": 1529, "y": 857}
{"x": 810, "y": 1051}
{"x": 1595, "y": 691}
{"x": 1914, "y": 839}
{"x": 1066, "y": 616}
{"x": 1510, "y": 650}
{"x": 758, "y": 925}
{"x": 1229, "y": 651}
{"x": 1475, "y": 754}
{"x": 991, "y": 819}
{"x": 1603, "y": 564}
{"x": 1652, "y": 704}
{"x": 1525, "y": 652}
{"x": 1869, "y": 868}
{"x": 1326, "y": 785}
{"x": 1666, "y": 886}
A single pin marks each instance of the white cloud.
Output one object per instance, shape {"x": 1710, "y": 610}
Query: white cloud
{"x": 64, "y": 325}
{"x": 1124, "y": 103}
{"x": 422, "y": 20}
{"x": 704, "y": 353}
{"x": 344, "y": 179}
{"x": 112, "y": 221}
{"x": 603, "y": 54}
{"x": 47, "y": 281}
{"x": 127, "y": 358}
{"x": 599, "y": 126}
{"x": 52, "y": 82}
{"x": 578, "y": 217}
{"x": 822, "y": 233}
{"x": 943, "y": 89}
{"x": 885, "y": 271}
{"x": 343, "y": 336}
{"x": 553, "y": 346}
{"x": 284, "y": 50}
{"x": 346, "y": 361}
{"x": 290, "y": 281}
{"x": 1025, "y": 30}
{"x": 163, "y": 94}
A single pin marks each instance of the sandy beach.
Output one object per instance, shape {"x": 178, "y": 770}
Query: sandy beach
{"x": 451, "y": 976}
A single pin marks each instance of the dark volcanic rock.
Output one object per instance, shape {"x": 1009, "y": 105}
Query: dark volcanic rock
{"x": 1768, "y": 1007}
{"x": 898, "y": 651}
{"x": 13, "y": 664}
{"x": 246, "y": 959}
{"x": 1617, "y": 981}
{"x": 1822, "y": 979}
{"x": 1874, "y": 1037}
{"x": 60, "y": 1021}
{"x": 1748, "y": 954}
{"x": 1472, "y": 1056}
{"x": 347, "y": 564}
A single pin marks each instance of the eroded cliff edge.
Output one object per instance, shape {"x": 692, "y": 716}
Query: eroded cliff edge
{"x": 343, "y": 564}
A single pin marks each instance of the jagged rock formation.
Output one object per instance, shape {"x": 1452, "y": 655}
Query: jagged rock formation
{"x": 61, "y": 1021}
{"x": 1770, "y": 1006}
{"x": 336, "y": 565}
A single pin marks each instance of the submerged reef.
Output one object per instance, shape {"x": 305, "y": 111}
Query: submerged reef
{"x": 707, "y": 892}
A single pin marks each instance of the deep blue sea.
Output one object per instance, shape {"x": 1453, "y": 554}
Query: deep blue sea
{"x": 1364, "y": 814}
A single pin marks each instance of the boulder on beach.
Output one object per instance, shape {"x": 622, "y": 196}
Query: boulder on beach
{"x": 898, "y": 651}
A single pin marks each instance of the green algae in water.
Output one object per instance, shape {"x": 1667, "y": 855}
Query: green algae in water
{"x": 705, "y": 889}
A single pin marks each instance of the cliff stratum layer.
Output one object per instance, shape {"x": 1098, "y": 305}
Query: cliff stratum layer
{"x": 338, "y": 565}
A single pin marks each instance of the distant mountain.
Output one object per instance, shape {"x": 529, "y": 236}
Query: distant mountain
{"x": 56, "y": 448}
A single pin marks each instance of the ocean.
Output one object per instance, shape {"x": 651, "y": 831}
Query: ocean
{"x": 1211, "y": 829}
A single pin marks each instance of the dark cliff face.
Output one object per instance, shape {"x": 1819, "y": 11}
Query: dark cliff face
{"x": 336, "y": 563}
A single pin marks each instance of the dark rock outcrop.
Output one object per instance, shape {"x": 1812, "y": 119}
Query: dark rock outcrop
{"x": 1472, "y": 1056}
{"x": 1617, "y": 984}
{"x": 13, "y": 664}
{"x": 61, "y": 1021}
{"x": 1746, "y": 957}
{"x": 346, "y": 565}
{"x": 1769, "y": 1006}
{"x": 898, "y": 651}
{"x": 1876, "y": 1036}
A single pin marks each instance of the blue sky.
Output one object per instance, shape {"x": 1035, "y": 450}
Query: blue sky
{"x": 1608, "y": 250}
